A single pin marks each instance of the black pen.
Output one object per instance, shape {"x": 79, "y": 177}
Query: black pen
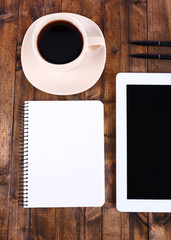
{"x": 152, "y": 43}
{"x": 152, "y": 56}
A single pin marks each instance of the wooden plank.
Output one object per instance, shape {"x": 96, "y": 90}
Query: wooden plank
{"x": 159, "y": 19}
{"x": 137, "y": 31}
{"x": 124, "y": 35}
{"x": 112, "y": 36}
{"x": 112, "y": 224}
{"x": 110, "y": 154}
{"x": 69, "y": 224}
{"x": 20, "y": 218}
{"x": 111, "y": 218}
{"x": 92, "y": 223}
{"x": 138, "y": 223}
{"x": 137, "y": 1}
{"x": 43, "y": 223}
{"x": 7, "y": 77}
{"x": 159, "y": 226}
{"x": 124, "y": 67}
{"x": 159, "y": 28}
{"x": 133, "y": 27}
{"x": 125, "y": 226}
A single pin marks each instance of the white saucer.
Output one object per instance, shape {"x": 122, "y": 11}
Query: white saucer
{"x": 56, "y": 82}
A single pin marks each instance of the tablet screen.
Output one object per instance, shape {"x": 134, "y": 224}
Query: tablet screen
{"x": 148, "y": 142}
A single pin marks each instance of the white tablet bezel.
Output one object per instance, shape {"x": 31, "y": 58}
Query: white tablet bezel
{"x": 122, "y": 203}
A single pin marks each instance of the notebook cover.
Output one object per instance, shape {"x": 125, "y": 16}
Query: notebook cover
{"x": 64, "y": 154}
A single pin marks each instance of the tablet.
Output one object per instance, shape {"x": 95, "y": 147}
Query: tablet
{"x": 143, "y": 142}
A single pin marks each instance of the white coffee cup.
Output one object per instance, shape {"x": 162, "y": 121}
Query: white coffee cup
{"x": 92, "y": 40}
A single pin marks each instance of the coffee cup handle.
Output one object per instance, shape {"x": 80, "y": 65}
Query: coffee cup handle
{"x": 95, "y": 42}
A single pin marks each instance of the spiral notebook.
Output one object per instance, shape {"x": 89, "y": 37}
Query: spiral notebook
{"x": 62, "y": 154}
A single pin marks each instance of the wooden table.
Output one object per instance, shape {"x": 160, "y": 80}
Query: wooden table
{"x": 121, "y": 21}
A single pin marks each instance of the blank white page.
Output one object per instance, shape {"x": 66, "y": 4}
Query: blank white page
{"x": 65, "y": 154}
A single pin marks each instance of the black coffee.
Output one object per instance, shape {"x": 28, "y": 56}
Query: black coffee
{"x": 60, "y": 42}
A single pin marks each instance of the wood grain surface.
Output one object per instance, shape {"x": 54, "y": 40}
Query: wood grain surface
{"x": 121, "y": 21}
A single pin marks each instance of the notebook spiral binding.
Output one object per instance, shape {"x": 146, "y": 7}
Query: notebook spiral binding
{"x": 23, "y": 154}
